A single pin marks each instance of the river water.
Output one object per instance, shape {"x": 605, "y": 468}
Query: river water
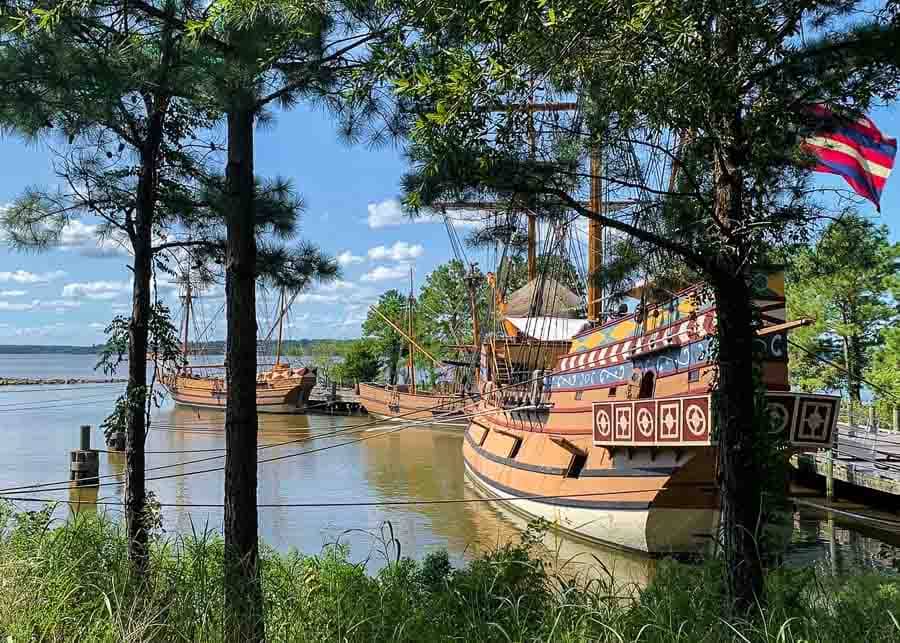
{"x": 39, "y": 426}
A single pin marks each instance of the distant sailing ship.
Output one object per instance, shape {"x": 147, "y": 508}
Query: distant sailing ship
{"x": 407, "y": 401}
{"x": 280, "y": 388}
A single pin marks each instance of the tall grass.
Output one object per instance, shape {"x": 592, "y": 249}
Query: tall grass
{"x": 70, "y": 581}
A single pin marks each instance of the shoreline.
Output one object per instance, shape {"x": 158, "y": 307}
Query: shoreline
{"x": 41, "y": 381}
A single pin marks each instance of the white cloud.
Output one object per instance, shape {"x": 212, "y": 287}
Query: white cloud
{"x": 96, "y": 289}
{"x": 386, "y": 213}
{"x": 346, "y": 258}
{"x": 98, "y": 325}
{"x": 58, "y": 328}
{"x": 386, "y": 273}
{"x": 337, "y": 284}
{"x": 25, "y": 277}
{"x": 83, "y": 238}
{"x": 400, "y": 251}
{"x": 58, "y": 305}
{"x": 317, "y": 298}
{"x": 390, "y": 213}
{"x": 13, "y": 293}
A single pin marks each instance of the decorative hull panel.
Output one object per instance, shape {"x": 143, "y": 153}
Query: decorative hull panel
{"x": 283, "y": 393}
{"x": 395, "y": 402}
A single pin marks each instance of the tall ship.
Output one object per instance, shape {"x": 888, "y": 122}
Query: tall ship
{"x": 603, "y": 419}
{"x": 278, "y": 388}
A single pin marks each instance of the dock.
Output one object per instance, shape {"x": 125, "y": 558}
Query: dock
{"x": 862, "y": 458}
{"x": 329, "y": 400}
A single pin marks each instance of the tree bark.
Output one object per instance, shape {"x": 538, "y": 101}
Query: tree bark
{"x": 141, "y": 234}
{"x": 243, "y": 594}
{"x": 136, "y": 430}
{"x": 740, "y": 480}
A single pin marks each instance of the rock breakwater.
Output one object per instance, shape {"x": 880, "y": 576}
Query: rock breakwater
{"x": 41, "y": 381}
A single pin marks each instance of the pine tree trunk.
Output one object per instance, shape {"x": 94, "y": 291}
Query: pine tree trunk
{"x": 136, "y": 430}
{"x": 739, "y": 471}
{"x": 243, "y": 594}
{"x": 138, "y": 331}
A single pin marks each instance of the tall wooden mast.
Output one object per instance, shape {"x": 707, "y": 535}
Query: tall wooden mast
{"x": 532, "y": 226}
{"x": 187, "y": 319}
{"x": 595, "y": 241}
{"x": 411, "y": 357}
{"x": 281, "y": 313}
{"x": 472, "y": 282}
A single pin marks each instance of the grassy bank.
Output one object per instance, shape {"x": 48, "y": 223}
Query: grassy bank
{"x": 70, "y": 582}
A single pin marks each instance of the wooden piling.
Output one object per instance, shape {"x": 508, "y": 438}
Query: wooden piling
{"x": 829, "y": 474}
{"x": 84, "y": 463}
{"x": 897, "y": 418}
{"x": 873, "y": 427}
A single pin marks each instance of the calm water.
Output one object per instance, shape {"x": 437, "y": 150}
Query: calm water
{"x": 39, "y": 425}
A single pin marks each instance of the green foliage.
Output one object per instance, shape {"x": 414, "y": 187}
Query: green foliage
{"x": 847, "y": 284}
{"x": 444, "y": 310}
{"x": 389, "y": 344}
{"x": 72, "y": 581}
{"x": 361, "y": 363}
{"x": 164, "y": 345}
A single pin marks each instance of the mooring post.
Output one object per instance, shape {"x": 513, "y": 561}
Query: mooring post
{"x": 84, "y": 463}
{"x": 897, "y": 418}
{"x": 873, "y": 428}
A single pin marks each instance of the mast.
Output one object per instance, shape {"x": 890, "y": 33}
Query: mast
{"x": 595, "y": 241}
{"x": 280, "y": 328}
{"x": 532, "y": 147}
{"x": 411, "y": 353}
{"x": 187, "y": 319}
{"x": 472, "y": 281}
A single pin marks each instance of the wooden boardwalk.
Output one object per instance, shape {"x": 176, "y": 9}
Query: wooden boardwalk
{"x": 869, "y": 460}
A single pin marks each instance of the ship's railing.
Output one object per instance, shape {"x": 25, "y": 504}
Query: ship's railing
{"x": 806, "y": 420}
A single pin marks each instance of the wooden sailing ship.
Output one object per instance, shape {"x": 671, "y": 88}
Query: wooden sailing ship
{"x": 281, "y": 387}
{"x": 445, "y": 404}
{"x": 609, "y": 420}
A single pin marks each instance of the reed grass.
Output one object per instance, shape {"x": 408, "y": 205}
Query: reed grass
{"x": 70, "y": 581}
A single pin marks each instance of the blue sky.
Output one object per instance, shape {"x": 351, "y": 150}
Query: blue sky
{"x": 67, "y": 295}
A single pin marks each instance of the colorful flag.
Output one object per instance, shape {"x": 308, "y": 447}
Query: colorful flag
{"x": 854, "y": 149}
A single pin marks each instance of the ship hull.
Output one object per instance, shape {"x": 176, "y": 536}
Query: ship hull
{"x": 659, "y": 502}
{"x": 211, "y": 393}
{"x": 395, "y": 403}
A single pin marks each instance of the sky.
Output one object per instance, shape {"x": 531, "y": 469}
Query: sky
{"x": 67, "y": 295}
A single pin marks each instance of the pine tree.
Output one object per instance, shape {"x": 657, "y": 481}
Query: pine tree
{"x": 844, "y": 283}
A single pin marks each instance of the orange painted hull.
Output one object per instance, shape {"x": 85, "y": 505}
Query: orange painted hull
{"x": 395, "y": 403}
{"x": 639, "y": 499}
{"x": 212, "y": 393}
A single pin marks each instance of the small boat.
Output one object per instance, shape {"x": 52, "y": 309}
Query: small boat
{"x": 280, "y": 388}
